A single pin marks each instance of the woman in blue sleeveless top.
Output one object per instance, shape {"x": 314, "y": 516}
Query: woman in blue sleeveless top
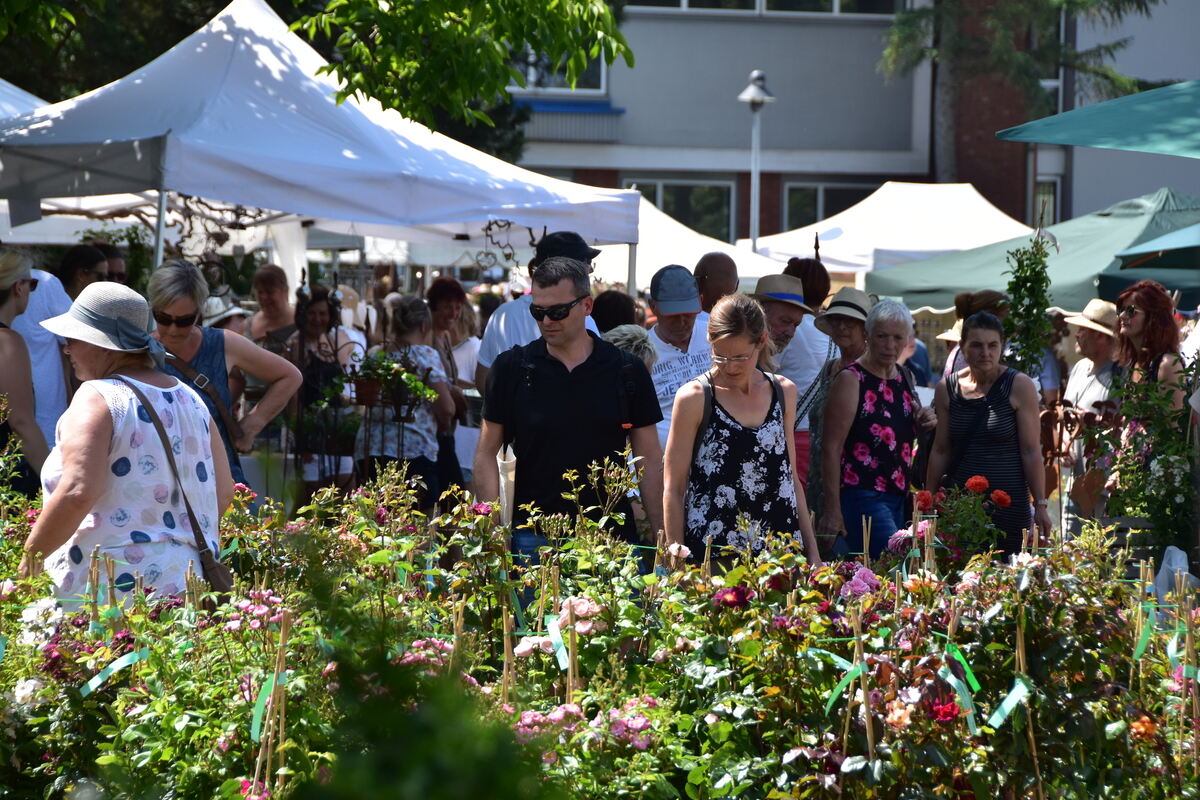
{"x": 203, "y": 356}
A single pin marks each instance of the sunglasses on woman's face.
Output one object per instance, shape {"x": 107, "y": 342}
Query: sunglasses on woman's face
{"x": 186, "y": 321}
{"x": 556, "y": 312}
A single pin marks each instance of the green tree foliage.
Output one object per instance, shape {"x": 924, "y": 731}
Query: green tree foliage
{"x": 1016, "y": 40}
{"x": 418, "y": 55}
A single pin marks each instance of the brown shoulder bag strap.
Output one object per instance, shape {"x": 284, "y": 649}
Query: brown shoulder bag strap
{"x": 217, "y": 574}
{"x": 205, "y": 384}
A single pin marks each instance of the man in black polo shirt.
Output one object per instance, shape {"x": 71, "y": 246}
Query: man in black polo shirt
{"x": 564, "y": 400}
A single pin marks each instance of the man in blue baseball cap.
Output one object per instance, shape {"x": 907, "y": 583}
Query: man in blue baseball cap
{"x": 680, "y": 337}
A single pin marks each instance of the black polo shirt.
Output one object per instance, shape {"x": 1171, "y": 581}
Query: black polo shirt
{"x": 559, "y": 420}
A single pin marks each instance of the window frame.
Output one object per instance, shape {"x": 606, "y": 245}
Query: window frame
{"x": 731, "y": 185}
{"x": 563, "y": 91}
{"x": 760, "y": 9}
{"x": 820, "y": 186}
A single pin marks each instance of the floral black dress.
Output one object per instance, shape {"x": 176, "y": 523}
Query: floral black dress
{"x": 740, "y": 472}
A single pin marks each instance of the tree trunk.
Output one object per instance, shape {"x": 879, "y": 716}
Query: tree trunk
{"x": 945, "y": 164}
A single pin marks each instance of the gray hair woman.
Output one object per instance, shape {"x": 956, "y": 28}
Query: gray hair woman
{"x": 872, "y": 419}
{"x": 203, "y": 358}
{"x": 110, "y": 483}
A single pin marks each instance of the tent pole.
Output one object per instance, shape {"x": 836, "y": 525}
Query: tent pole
{"x": 159, "y": 228}
{"x": 631, "y": 277}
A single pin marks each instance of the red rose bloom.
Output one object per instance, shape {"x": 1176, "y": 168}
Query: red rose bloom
{"x": 977, "y": 483}
{"x": 733, "y": 597}
{"x": 944, "y": 712}
{"x": 924, "y": 500}
{"x": 1001, "y": 499}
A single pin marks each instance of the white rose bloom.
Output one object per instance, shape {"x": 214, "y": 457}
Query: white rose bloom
{"x": 26, "y": 691}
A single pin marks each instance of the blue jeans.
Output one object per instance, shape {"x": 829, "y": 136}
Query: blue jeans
{"x": 886, "y": 510}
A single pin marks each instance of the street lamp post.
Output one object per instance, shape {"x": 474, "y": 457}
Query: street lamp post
{"x": 756, "y": 95}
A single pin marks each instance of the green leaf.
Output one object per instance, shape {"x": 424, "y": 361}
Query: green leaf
{"x": 1114, "y": 729}
{"x": 854, "y": 763}
{"x": 842, "y": 684}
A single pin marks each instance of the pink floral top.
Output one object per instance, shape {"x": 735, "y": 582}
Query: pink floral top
{"x": 878, "y": 454}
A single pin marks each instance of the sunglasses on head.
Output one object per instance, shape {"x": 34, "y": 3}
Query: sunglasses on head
{"x": 556, "y": 312}
{"x": 186, "y": 321}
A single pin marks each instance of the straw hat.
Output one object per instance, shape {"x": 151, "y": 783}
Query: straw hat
{"x": 218, "y": 308}
{"x": 1098, "y": 315}
{"x": 108, "y": 315}
{"x": 952, "y": 334}
{"x": 781, "y": 289}
{"x": 848, "y": 302}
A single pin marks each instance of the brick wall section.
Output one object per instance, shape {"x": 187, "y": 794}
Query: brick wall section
{"x": 984, "y": 105}
{"x": 602, "y": 178}
{"x": 770, "y": 211}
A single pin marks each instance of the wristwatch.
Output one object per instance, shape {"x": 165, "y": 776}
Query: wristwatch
{"x": 1041, "y": 503}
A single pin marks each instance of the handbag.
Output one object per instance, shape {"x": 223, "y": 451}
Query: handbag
{"x": 218, "y": 575}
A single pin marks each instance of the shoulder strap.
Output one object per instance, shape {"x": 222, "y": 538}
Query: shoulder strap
{"x": 204, "y": 384}
{"x": 776, "y": 388}
{"x": 706, "y": 417}
{"x": 201, "y": 545}
{"x": 628, "y": 389}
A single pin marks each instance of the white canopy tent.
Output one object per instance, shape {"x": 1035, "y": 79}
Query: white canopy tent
{"x": 663, "y": 240}
{"x": 237, "y": 113}
{"x": 15, "y": 100}
{"x": 899, "y": 222}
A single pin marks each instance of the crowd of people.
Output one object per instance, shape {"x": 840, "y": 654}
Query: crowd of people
{"x": 785, "y": 410}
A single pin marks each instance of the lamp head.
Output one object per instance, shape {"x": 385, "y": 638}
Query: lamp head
{"x": 756, "y": 92}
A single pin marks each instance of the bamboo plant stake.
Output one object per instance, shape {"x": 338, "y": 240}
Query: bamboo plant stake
{"x": 506, "y": 675}
{"x": 930, "y": 559}
{"x": 110, "y": 573}
{"x": 860, "y": 659}
{"x": 572, "y": 665}
{"x": 707, "y": 561}
{"x": 866, "y": 541}
{"x": 94, "y": 582}
{"x": 1022, "y": 669}
{"x": 541, "y": 606}
{"x": 1138, "y": 621}
{"x": 273, "y": 723}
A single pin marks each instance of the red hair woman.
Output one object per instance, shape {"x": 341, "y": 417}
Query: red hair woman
{"x": 1148, "y": 338}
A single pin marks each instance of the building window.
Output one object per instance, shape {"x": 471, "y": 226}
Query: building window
{"x": 805, "y": 204}
{"x": 1046, "y": 200}
{"x": 790, "y": 6}
{"x": 542, "y": 77}
{"x": 706, "y": 207}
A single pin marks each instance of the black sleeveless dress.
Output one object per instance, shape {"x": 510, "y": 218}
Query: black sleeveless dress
{"x": 740, "y": 471}
{"x": 24, "y": 479}
{"x": 993, "y": 451}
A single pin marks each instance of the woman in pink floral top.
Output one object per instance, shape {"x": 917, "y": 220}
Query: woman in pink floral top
{"x": 872, "y": 419}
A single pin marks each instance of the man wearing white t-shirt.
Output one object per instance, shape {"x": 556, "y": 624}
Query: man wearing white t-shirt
{"x": 511, "y": 325}
{"x": 49, "y": 377}
{"x": 680, "y": 337}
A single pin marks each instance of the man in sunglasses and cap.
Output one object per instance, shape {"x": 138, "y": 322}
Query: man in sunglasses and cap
{"x": 566, "y": 400}
{"x": 510, "y": 325}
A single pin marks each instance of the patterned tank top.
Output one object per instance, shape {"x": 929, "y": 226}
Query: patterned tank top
{"x": 878, "y": 453}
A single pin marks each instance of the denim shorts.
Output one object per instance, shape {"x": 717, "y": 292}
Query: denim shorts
{"x": 886, "y": 511}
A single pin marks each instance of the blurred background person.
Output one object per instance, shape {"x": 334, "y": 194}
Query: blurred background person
{"x": 872, "y": 418}
{"x": 966, "y": 304}
{"x": 716, "y": 276}
{"x": 81, "y": 266}
{"x": 17, "y": 284}
{"x": 447, "y": 300}
{"x": 1148, "y": 339}
{"x": 383, "y": 439}
{"x": 679, "y": 337}
{"x": 611, "y": 309}
{"x": 844, "y": 321}
{"x": 321, "y": 352}
{"x": 988, "y": 425}
{"x": 808, "y": 351}
{"x": 53, "y": 374}
{"x": 275, "y": 321}
{"x": 116, "y": 261}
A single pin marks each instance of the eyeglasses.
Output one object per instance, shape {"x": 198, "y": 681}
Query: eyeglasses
{"x": 116, "y": 277}
{"x": 716, "y": 359}
{"x": 186, "y": 321}
{"x": 95, "y": 274}
{"x": 1128, "y": 311}
{"x": 557, "y": 312}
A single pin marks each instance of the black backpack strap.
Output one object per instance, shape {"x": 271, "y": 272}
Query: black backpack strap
{"x": 526, "y": 367}
{"x": 706, "y": 386}
{"x": 625, "y": 395}
{"x": 776, "y": 387}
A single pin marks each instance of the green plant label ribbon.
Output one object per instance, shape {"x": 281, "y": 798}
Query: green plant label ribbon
{"x": 260, "y": 705}
{"x": 1016, "y": 694}
{"x": 842, "y": 684}
{"x": 121, "y": 663}
{"x": 952, "y": 651}
{"x": 3, "y": 646}
{"x": 560, "y": 649}
{"x": 1143, "y": 640}
{"x": 964, "y": 697}
{"x": 837, "y": 660}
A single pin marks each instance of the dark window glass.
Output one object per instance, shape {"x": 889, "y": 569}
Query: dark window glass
{"x": 801, "y": 207}
{"x": 656, "y": 3}
{"x": 739, "y": 5}
{"x": 707, "y": 209}
{"x": 838, "y": 199}
{"x": 800, "y": 5}
{"x": 871, "y": 6}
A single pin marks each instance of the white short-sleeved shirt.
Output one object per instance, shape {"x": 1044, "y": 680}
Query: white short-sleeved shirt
{"x": 676, "y": 367}
{"x": 801, "y": 361}
{"x": 49, "y": 384}
{"x": 511, "y": 325}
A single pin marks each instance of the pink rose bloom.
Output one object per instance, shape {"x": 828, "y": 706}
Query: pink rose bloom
{"x": 587, "y": 626}
{"x": 854, "y": 588}
{"x": 886, "y": 391}
{"x": 678, "y": 550}
{"x": 876, "y": 429}
{"x": 901, "y": 541}
{"x": 868, "y": 577}
{"x": 869, "y": 398}
{"x": 849, "y": 478}
{"x": 898, "y": 479}
{"x": 862, "y": 453}
{"x": 888, "y": 435}
{"x": 525, "y": 647}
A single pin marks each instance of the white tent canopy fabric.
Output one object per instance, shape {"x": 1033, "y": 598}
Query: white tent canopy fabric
{"x": 15, "y": 101}
{"x": 899, "y": 222}
{"x": 663, "y": 240}
{"x": 237, "y": 113}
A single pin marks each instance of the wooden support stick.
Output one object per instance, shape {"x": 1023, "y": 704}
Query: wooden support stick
{"x": 110, "y": 572}
{"x": 866, "y": 540}
{"x": 864, "y": 681}
{"x": 506, "y": 675}
{"x": 572, "y": 664}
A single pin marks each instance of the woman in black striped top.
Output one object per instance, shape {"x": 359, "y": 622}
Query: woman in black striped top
{"x": 988, "y": 425}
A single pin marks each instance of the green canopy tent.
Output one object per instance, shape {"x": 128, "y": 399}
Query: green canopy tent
{"x": 1087, "y": 247}
{"x": 1176, "y": 250}
{"x": 1164, "y": 121}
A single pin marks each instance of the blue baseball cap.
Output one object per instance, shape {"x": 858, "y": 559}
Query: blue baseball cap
{"x": 673, "y": 289}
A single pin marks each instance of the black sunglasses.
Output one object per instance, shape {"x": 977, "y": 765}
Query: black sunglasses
{"x": 186, "y": 321}
{"x": 557, "y": 313}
